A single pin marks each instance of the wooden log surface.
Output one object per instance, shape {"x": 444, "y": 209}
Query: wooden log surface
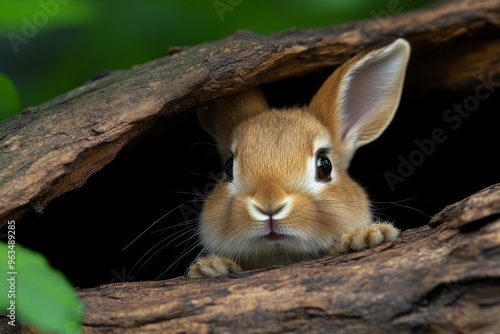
{"x": 440, "y": 278}
{"x": 53, "y": 148}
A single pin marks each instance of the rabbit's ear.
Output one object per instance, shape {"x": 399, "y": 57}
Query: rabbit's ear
{"x": 358, "y": 101}
{"x": 220, "y": 118}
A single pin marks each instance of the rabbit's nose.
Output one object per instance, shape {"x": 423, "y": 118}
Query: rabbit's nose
{"x": 272, "y": 212}
{"x": 275, "y": 212}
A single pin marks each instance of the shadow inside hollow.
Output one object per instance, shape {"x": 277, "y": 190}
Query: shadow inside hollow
{"x": 170, "y": 167}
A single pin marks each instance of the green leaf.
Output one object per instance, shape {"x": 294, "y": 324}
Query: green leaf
{"x": 9, "y": 100}
{"x": 44, "y": 15}
{"x": 42, "y": 296}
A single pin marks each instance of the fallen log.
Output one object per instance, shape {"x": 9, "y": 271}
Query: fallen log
{"x": 440, "y": 278}
{"x": 53, "y": 148}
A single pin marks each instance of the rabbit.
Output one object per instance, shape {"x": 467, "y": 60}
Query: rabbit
{"x": 286, "y": 195}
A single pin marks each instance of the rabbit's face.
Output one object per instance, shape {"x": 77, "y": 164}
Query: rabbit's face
{"x": 285, "y": 196}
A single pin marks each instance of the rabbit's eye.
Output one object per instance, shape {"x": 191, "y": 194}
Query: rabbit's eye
{"x": 229, "y": 168}
{"x": 323, "y": 167}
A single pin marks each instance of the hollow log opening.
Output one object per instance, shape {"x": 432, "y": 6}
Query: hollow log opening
{"x": 107, "y": 182}
{"x": 427, "y": 158}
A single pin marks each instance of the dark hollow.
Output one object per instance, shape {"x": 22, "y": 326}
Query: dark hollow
{"x": 83, "y": 232}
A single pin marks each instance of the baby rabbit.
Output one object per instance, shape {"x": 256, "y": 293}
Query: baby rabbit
{"x": 286, "y": 195}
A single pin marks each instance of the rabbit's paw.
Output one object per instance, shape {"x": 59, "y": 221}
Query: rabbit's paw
{"x": 213, "y": 266}
{"x": 367, "y": 237}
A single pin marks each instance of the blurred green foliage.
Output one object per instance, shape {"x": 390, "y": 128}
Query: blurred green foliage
{"x": 9, "y": 100}
{"x": 37, "y": 294}
{"x": 48, "y": 47}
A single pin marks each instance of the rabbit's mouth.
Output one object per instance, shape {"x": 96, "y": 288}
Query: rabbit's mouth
{"x": 273, "y": 236}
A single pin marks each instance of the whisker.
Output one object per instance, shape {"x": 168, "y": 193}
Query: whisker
{"x": 183, "y": 254}
{"x": 200, "y": 143}
{"x": 397, "y": 204}
{"x": 164, "y": 244}
{"x": 165, "y": 229}
{"x": 145, "y": 254}
{"x": 150, "y": 226}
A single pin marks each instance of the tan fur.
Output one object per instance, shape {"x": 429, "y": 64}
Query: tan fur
{"x": 274, "y": 170}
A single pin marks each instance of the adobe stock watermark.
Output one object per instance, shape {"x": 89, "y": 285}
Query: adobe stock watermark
{"x": 123, "y": 276}
{"x": 222, "y": 7}
{"x": 453, "y": 118}
{"x": 373, "y": 28}
{"x": 32, "y": 25}
{"x": 449, "y": 295}
{"x": 193, "y": 209}
{"x": 74, "y": 327}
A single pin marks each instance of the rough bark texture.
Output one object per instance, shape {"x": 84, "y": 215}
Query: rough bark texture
{"x": 443, "y": 277}
{"x": 54, "y": 148}
{"x": 440, "y": 278}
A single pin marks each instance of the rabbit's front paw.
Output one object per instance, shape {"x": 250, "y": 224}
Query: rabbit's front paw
{"x": 214, "y": 266}
{"x": 367, "y": 237}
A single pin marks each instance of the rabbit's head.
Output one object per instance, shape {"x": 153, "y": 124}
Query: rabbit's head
{"x": 286, "y": 194}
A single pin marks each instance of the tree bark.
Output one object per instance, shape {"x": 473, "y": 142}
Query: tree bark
{"x": 440, "y": 278}
{"x": 54, "y": 148}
